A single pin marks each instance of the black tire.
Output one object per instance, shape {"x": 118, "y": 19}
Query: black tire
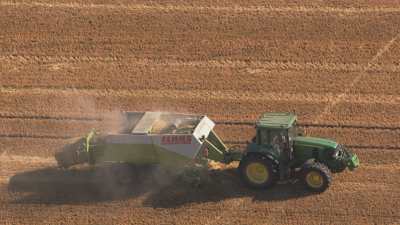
{"x": 310, "y": 173}
{"x": 268, "y": 165}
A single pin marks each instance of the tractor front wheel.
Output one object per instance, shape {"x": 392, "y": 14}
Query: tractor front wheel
{"x": 316, "y": 176}
{"x": 258, "y": 172}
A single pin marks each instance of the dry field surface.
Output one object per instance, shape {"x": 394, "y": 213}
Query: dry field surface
{"x": 67, "y": 65}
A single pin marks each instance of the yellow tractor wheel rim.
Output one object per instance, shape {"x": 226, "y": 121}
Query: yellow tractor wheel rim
{"x": 314, "y": 179}
{"x": 257, "y": 173}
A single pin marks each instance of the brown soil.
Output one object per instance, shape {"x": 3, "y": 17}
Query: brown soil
{"x": 66, "y": 65}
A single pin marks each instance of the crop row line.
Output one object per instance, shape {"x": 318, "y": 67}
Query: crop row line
{"x": 236, "y": 9}
{"x": 51, "y": 118}
{"x": 200, "y": 93}
{"x": 229, "y": 142}
{"x": 270, "y": 65}
{"x": 35, "y": 136}
{"x": 220, "y": 122}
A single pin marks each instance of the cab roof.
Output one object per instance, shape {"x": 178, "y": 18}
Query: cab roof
{"x": 276, "y": 120}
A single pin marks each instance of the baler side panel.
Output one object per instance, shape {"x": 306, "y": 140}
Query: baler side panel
{"x": 129, "y": 148}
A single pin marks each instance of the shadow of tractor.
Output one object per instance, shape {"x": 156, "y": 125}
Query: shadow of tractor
{"x": 118, "y": 182}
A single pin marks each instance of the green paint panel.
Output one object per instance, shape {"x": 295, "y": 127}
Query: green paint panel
{"x": 214, "y": 153}
{"x": 354, "y": 162}
{"x": 314, "y": 142}
{"x": 216, "y": 141}
{"x": 139, "y": 154}
{"x": 170, "y": 159}
{"x": 130, "y": 153}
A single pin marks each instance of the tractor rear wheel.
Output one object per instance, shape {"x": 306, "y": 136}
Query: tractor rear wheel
{"x": 258, "y": 172}
{"x": 316, "y": 176}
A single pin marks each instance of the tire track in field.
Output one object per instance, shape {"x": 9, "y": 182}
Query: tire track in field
{"x": 211, "y": 95}
{"x": 176, "y": 94}
{"x": 237, "y": 9}
{"x": 268, "y": 65}
{"x": 35, "y": 136}
{"x": 346, "y": 92}
{"x": 68, "y": 118}
{"x": 5, "y": 157}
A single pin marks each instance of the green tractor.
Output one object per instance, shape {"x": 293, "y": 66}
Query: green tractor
{"x": 280, "y": 152}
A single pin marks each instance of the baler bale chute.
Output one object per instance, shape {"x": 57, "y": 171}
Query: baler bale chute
{"x": 277, "y": 153}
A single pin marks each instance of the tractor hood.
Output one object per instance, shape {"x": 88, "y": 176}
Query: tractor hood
{"x": 314, "y": 142}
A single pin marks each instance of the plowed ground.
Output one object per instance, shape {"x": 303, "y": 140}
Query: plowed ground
{"x": 68, "y": 66}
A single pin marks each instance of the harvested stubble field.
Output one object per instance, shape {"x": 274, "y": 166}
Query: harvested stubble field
{"x": 66, "y": 65}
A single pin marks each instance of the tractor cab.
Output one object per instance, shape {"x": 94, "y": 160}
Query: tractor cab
{"x": 275, "y": 133}
{"x": 276, "y": 130}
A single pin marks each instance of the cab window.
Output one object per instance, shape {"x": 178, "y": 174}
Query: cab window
{"x": 264, "y": 140}
{"x": 278, "y": 138}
